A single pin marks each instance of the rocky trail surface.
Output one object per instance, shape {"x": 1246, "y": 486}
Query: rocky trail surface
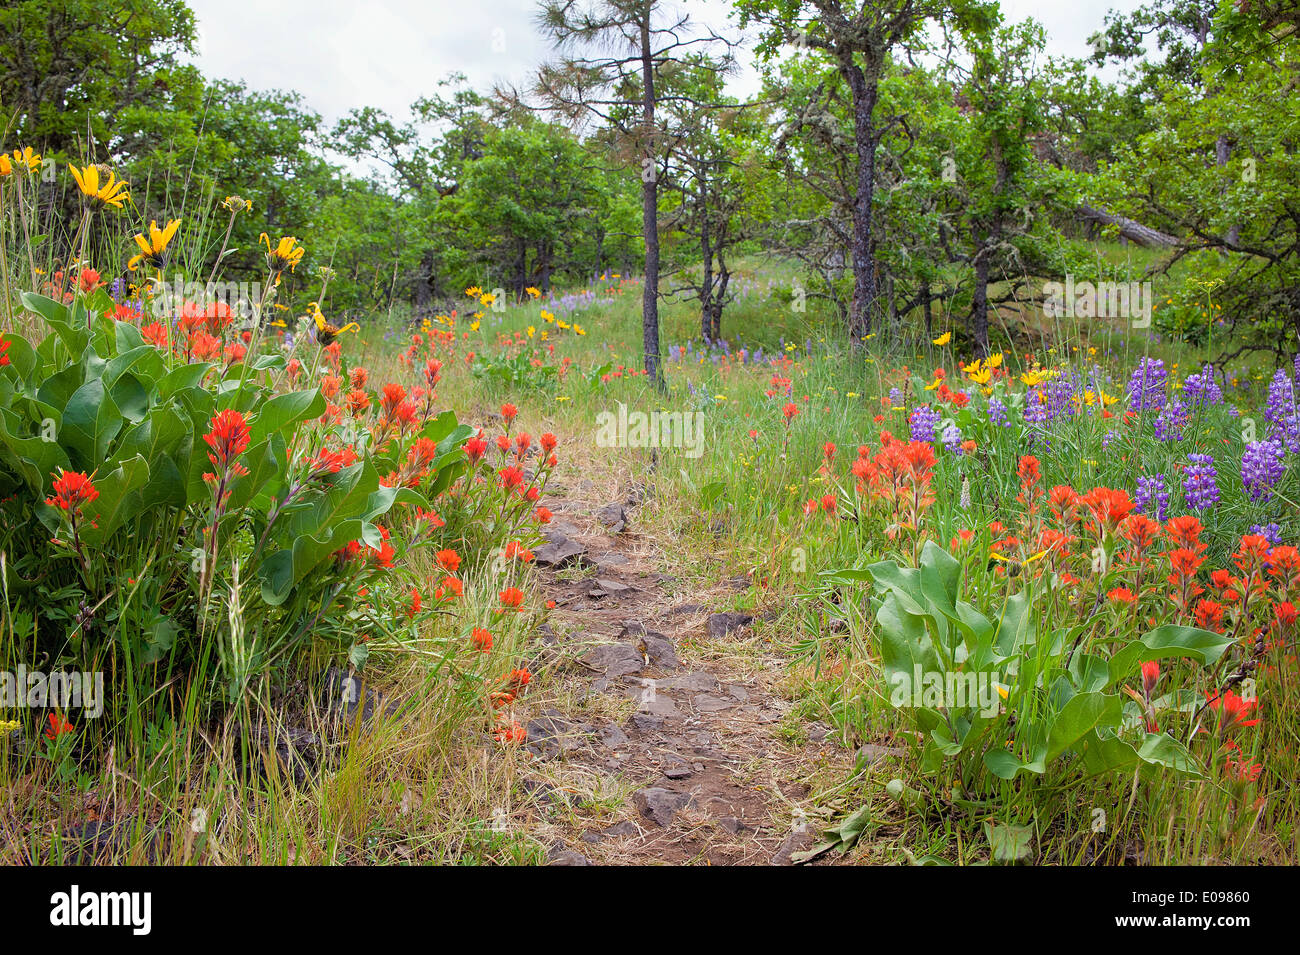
{"x": 664, "y": 745}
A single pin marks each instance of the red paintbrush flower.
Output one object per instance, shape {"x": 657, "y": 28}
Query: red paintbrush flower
{"x": 72, "y": 489}
{"x": 228, "y": 439}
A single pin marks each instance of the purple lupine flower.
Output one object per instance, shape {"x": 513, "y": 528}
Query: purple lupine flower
{"x": 1202, "y": 389}
{"x": 1107, "y": 438}
{"x": 1200, "y": 487}
{"x": 1035, "y": 405}
{"x": 952, "y": 438}
{"x": 896, "y": 397}
{"x": 998, "y": 412}
{"x": 1146, "y": 388}
{"x": 1171, "y": 421}
{"x": 1153, "y": 497}
{"x": 1282, "y": 412}
{"x": 1262, "y": 468}
{"x": 1061, "y": 393}
{"x": 1273, "y": 532}
{"x": 923, "y": 421}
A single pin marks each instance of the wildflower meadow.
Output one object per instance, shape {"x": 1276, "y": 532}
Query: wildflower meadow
{"x": 889, "y": 461}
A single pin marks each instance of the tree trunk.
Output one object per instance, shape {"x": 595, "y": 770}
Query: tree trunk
{"x": 521, "y": 269}
{"x": 706, "y": 284}
{"x": 1132, "y": 230}
{"x": 545, "y": 255}
{"x": 719, "y": 300}
{"x": 864, "y": 86}
{"x": 650, "y": 213}
{"x": 979, "y": 306}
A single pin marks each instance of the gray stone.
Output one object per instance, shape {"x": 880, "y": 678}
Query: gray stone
{"x": 559, "y": 552}
{"x": 559, "y": 856}
{"x": 721, "y": 624}
{"x": 647, "y": 723}
{"x": 611, "y": 737}
{"x": 612, "y": 516}
{"x": 798, "y": 841}
{"x": 695, "y": 682}
{"x": 616, "y": 659}
{"x": 660, "y": 651}
{"x": 873, "y": 755}
{"x": 660, "y": 805}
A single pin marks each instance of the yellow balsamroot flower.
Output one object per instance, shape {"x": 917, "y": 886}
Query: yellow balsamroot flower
{"x": 977, "y": 372}
{"x": 547, "y": 316}
{"x": 994, "y": 360}
{"x": 27, "y": 157}
{"x": 487, "y": 298}
{"x": 473, "y": 291}
{"x": 110, "y": 191}
{"x": 285, "y": 254}
{"x": 531, "y": 331}
{"x": 153, "y": 250}
{"x": 943, "y": 339}
{"x": 473, "y": 326}
{"x": 533, "y": 292}
{"x": 579, "y": 330}
{"x": 325, "y": 332}
{"x": 6, "y": 167}
{"x": 1033, "y": 377}
{"x": 237, "y": 204}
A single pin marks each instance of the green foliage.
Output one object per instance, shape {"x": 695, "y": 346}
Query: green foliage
{"x": 1064, "y": 716}
{"x": 93, "y": 397}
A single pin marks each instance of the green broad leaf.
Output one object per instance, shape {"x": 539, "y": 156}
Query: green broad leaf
{"x": 117, "y": 500}
{"x": 905, "y": 643}
{"x": 282, "y": 412}
{"x": 1091, "y": 673}
{"x": 384, "y": 499}
{"x": 940, "y": 577}
{"x": 266, "y": 463}
{"x": 1161, "y": 749}
{"x": 21, "y": 355}
{"x": 128, "y": 337}
{"x": 184, "y": 378}
{"x": 1169, "y": 640}
{"x": 144, "y": 362}
{"x": 848, "y": 575}
{"x": 1009, "y": 843}
{"x": 91, "y": 421}
{"x": 166, "y": 486}
{"x": 1004, "y": 764}
{"x": 131, "y": 398}
{"x": 34, "y": 459}
{"x": 711, "y": 493}
{"x": 1016, "y": 628}
{"x": 1083, "y": 713}
{"x": 1105, "y": 753}
{"x": 159, "y": 638}
{"x": 57, "y": 315}
{"x": 57, "y": 390}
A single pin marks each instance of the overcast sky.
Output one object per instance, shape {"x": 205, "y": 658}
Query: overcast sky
{"x": 342, "y": 54}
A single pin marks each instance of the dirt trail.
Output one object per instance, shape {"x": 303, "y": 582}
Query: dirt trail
{"x": 664, "y": 746}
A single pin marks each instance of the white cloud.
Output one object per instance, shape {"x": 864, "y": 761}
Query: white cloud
{"x": 385, "y": 53}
